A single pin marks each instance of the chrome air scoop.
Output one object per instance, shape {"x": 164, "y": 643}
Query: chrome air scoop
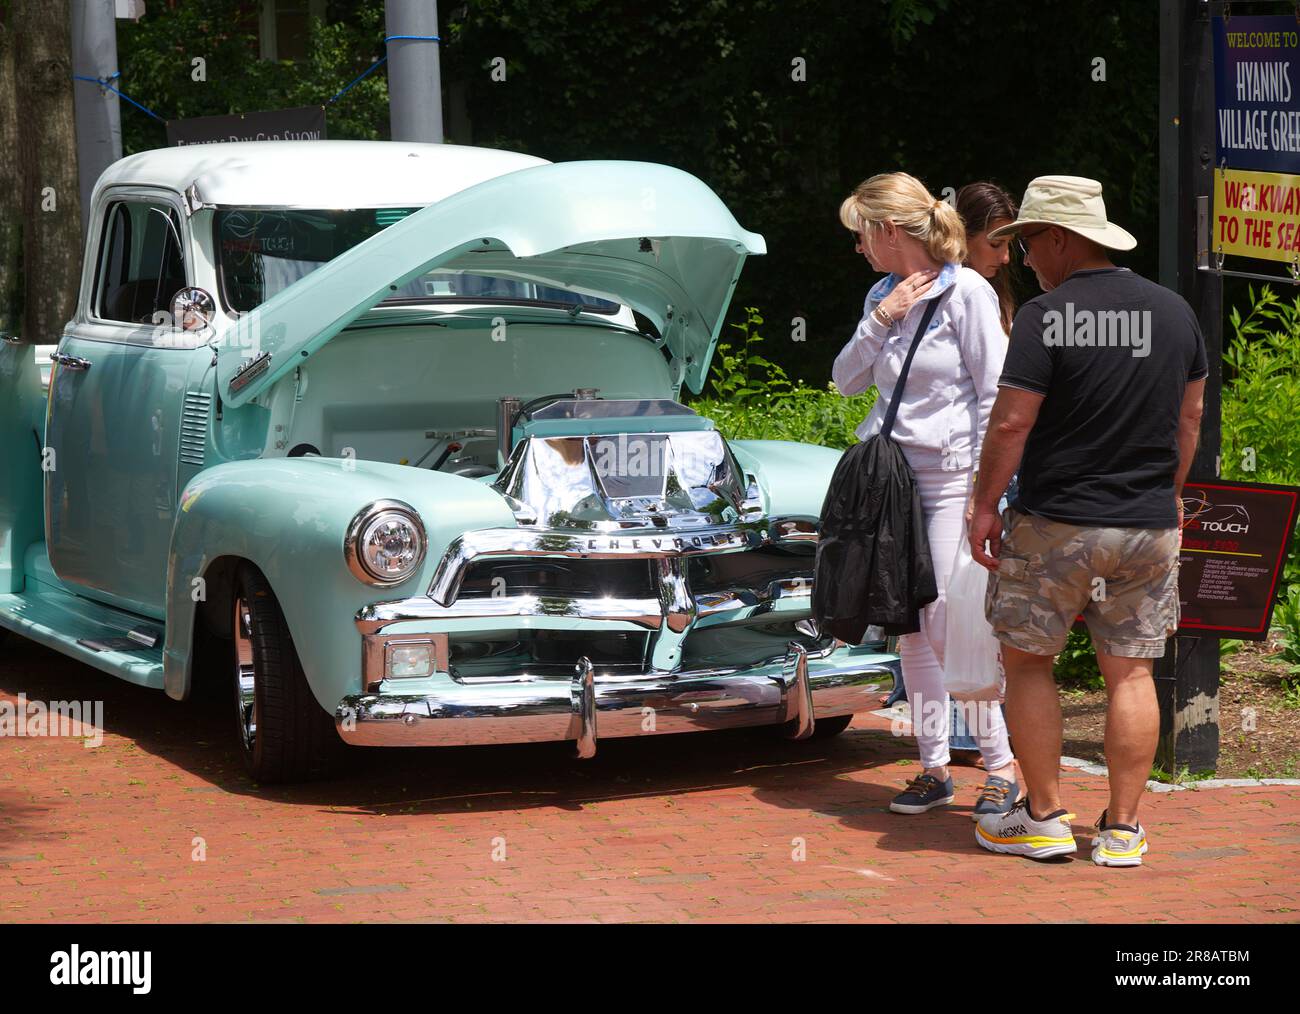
{"x": 611, "y": 465}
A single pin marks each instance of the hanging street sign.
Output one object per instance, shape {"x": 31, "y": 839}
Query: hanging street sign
{"x": 305, "y": 123}
{"x": 1257, "y": 93}
{"x": 1256, "y": 215}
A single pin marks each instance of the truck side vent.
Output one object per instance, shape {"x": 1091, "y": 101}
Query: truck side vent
{"x": 194, "y": 427}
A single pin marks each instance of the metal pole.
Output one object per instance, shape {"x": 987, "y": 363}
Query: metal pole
{"x": 414, "y": 78}
{"x": 1187, "y": 678}
{"x": 98, "y": 116}
{"x": 1168, "y": 138}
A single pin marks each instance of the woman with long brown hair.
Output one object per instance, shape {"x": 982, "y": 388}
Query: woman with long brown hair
{"x": 983, "y": 207}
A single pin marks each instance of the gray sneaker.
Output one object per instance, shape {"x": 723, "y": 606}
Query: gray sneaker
{"x": 1017, "y": 833}
{"x": 1118, "y": 844}
{"x": 923, "y": 793}
{"x": 996, "y": 795}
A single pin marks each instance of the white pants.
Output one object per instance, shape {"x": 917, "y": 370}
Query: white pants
{"x": 943, "y": 499}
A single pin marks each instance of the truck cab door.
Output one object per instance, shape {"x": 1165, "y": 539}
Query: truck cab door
{"x": 117, "y": 392}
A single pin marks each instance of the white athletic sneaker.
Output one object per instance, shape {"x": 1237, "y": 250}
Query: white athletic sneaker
{"x": 1017, "y": 833}
{"x": 1118, "y": 844}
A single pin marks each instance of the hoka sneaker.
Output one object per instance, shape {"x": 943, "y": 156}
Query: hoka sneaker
{"x": 997, "y": 795}
{"x": 1118, "y": 844}
{"x": 1017, "y": 833}
{"x": 923, "y": 793}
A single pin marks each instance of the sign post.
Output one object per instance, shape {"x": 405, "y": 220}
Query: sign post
{"x": 1229, "y": 187}
{"x": 1187, "y": 678}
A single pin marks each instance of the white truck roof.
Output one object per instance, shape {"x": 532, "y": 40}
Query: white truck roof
{"x": 316, "y": 174}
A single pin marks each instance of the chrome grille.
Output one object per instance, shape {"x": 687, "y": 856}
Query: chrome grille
{"x": 497, "y": 576}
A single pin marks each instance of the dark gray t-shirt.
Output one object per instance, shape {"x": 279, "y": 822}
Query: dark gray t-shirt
{"x": 1112, "y": 354}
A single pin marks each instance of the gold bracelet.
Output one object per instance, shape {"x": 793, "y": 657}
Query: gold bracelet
{"x": 885, "y": 318}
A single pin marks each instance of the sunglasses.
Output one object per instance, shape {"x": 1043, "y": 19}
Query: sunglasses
{"x": 1020, "y": 239}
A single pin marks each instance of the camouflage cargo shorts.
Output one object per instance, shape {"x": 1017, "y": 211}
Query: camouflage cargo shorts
{"x": 1123, "y": 580}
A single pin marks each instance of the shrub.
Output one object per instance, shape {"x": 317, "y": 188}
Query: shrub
{"x": 1076, "y": 665}
{"x": 1261, "y": 398}
{"x": 751, "y": 398}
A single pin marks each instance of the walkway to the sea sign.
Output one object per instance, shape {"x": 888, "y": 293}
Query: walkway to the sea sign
{"x": 160, "y": 824}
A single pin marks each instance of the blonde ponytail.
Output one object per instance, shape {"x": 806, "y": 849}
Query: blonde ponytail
{"x": 947, "y": 240}
{"x": 904, "y": 200}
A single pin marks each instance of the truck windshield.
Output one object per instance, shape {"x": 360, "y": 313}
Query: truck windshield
{"x": 260, "y": 252}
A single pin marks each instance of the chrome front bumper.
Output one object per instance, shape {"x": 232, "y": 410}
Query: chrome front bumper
{"x": 798, "y": 690}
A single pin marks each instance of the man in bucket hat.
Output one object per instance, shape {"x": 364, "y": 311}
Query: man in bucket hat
{"x": 1099, "y": 405}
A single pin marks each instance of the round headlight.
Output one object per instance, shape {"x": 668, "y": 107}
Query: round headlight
{"x": 385, "y": 543}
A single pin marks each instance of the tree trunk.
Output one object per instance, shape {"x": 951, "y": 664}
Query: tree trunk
{"x": 47, "y": 156}
{"x": 11, "y": 212}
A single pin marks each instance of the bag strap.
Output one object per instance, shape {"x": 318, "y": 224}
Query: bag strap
{"x": 888, "y": 426}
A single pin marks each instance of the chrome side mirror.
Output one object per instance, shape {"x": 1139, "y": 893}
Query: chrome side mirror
{"x": 193, "y": 309}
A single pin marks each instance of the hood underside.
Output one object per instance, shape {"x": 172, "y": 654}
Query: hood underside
{"x": 648, "y": 236}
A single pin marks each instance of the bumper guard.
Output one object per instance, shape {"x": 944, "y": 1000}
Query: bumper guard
{"x": 796, "y": 690}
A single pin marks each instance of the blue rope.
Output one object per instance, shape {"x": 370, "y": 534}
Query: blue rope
{"x": 387, "y": 39}
{"x": 103, "y": 83}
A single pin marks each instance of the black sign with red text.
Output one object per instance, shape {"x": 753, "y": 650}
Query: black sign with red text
{"x": 1235, "y": 541}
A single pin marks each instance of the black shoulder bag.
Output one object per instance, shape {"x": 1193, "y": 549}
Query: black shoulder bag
{"x": 873, "y": 565}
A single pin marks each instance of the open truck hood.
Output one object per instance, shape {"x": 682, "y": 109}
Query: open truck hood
{"x": 649, "y": 236}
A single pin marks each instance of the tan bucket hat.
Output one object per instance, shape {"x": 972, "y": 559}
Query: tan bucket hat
{"x": 1072, "y": 202}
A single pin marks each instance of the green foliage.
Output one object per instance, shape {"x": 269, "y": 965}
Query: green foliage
{"x": 1289, "y": 768}
{"x": 1076, "y": 665}
{"x": 1181, "y": 776}
{"x": 155, "y": 55}
{"x": 906, "y": 17}
{"x": 751, "y": 398}
{"x": 1261, "y": 398}
{"x": 740, "y": 371}
{"x": 1286, "y": 618}
{"x": 1261, "y": 404}
{"x": 1229, "y": 646}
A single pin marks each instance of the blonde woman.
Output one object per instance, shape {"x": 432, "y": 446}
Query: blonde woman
{"x": 920, "y": 243}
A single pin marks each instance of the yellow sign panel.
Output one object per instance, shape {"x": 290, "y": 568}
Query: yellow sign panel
{"x": 1256, "y": 215}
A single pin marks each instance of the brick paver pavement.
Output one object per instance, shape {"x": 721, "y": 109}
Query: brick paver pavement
{"x": 718, "y": 827}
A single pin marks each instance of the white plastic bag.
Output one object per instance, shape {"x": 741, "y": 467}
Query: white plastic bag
{"x": 971, "y": 666}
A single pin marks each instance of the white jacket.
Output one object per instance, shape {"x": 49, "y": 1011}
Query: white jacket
{"x": 953, "y": 381}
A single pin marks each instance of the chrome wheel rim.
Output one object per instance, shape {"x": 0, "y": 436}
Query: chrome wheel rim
{"x": 245, "y": 675}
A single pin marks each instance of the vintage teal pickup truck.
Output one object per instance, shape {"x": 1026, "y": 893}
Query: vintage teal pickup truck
{"x": 386, "y": 439}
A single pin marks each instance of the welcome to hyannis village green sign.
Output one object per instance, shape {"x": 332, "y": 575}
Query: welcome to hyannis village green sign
{"x": 1257, "y": 93}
